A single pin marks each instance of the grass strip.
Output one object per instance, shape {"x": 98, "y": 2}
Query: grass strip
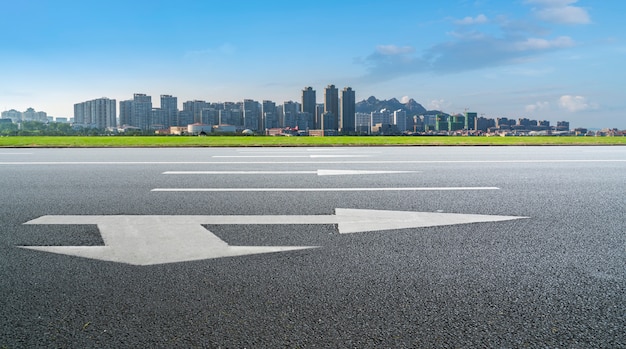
{"x": 271, "y": 141}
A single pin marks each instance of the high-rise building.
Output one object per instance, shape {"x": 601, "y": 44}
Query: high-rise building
{"x": 141, "y": 113}
{"x": 157, "y": 119}
{"x": 31, "y": 114}
{"x": 12, "y": 114}
{"x": 269, "y": 117}
{"x": 331, "y": 105}
{"x": 126, "y": 110}
{"x": 97, "y": 113}
{"x": 210, "y": 116}
{"x": 400, "y": 120}
{"x": 169, "y": 105}
{"x": 348, "y": 111}
{"x": 363, "y": 123}
{"x": 309, "y": 102}
{"x": 328, "y": 121}
{"x": 562, "y": 125}
{"x": 290, "y": 113}
{"x": 470, "y": 120}
{"x": 382, "y": 117}
{"x": 251, "y": 115}
{"x": 195, "y": 107}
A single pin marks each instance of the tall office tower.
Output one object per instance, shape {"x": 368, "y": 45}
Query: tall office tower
{"x": 269, "y": 118}
{"x": 224, "y": 117}
{"x": 380, "y": 117}
{"x": 210, "y": 116}
{"x": 126, "y": 109}
{"x": 97, "y": 113}
{"x": 562, "y": 125}
{"x": 236, "y": 115}
{"x": 141, "y": 113}
{"x": 251, "y": 115}
{"x": 169, "y": 105}
{"x": 80, "y": 113}
{"x": 157, "y": 119}
{"x": 309, "y": 103}
{"x": 185, "y": 118}
{"x": 319, "y": 111}
{"x": 331, "y": 105}
{"x": 400, "y": 120}
{"x": 348, "y": 111}
{"x": 363, "y": 121}
{"x": 470, "y": 120}
{"x": 290, "y": 113}
{"x": 104, "y": 113}
{"x": 195, "y": 107}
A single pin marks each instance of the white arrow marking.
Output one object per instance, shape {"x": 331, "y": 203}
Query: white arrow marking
{"x": 146, "y": 240}
{"x": 318, "y": 172}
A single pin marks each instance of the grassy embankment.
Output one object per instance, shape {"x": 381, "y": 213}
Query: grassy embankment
{"x": 269, "y": 141}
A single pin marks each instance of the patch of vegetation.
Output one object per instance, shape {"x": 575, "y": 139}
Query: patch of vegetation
{"x": 271, "y": 141}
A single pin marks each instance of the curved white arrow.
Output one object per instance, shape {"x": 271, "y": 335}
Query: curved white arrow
{"x": 146, "y": 240}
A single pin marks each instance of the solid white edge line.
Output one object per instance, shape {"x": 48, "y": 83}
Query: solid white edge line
{"x": 318, "y": 189}
{"x": 305, "y": 162}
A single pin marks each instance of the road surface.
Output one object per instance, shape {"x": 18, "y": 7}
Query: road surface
{"x": 377, "y": 247}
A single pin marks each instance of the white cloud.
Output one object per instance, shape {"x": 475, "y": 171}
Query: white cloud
{"x": 575, "y": 103}
{"x": 560, "y": 11}
{"x": 480, "y": 19}
{"x": 543, "y": 44}
{"x": 537, "y": 106}
{"x": 438, "y": 104}
{"x": 471, "y": 48}
{"x": 405, "y": 99}
{"x": 392, "y": 50}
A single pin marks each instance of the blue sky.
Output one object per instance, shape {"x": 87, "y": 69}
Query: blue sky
{"x": 542, "y": 59}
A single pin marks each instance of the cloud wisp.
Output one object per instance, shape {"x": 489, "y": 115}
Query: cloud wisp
{"x": 471, "y": 49}
{"x": 559, "y": 11}
{"x": 575, "y": 104}
{"x": 480, "y": 19}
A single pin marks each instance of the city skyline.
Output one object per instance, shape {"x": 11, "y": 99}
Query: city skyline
{"x": 540, "y": 59}
{"x": 141, "y": 113}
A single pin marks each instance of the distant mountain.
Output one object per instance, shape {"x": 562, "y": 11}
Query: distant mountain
{"x": 373, "y": 104}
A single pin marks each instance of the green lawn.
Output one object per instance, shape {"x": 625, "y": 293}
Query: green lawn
{"x": 268, "y": 141}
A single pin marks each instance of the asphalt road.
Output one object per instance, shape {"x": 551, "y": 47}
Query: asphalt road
{"x": 556, "y": 278}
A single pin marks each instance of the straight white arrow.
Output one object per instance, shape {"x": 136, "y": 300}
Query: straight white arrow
{"x": 146, "y": 240}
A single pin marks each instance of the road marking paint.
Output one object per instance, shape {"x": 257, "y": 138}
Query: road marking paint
{"x": 319, "y": 189}
{"x": 343, "y": 162}
{"x": 148, "y": 240}
{"x": 318, "y": 172}
{"x": 312, "y": 156}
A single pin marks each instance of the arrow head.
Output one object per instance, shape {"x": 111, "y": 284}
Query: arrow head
{"x": 358, "y": 221}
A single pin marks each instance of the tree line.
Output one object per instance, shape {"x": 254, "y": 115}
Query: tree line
{"x": 38, "y": 128}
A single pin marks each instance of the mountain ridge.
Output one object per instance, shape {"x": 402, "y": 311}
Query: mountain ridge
{"x": 412, "y": 107}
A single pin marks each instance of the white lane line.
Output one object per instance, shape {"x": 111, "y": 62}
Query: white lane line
{"x": 365, "y": 162}
{"x": 318, "y": 172}
{"x": 313, "y": 156}
{"x": 248, "y": 190}
{"x": 307, "y": 151}
{"x": 235, "y": 172}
